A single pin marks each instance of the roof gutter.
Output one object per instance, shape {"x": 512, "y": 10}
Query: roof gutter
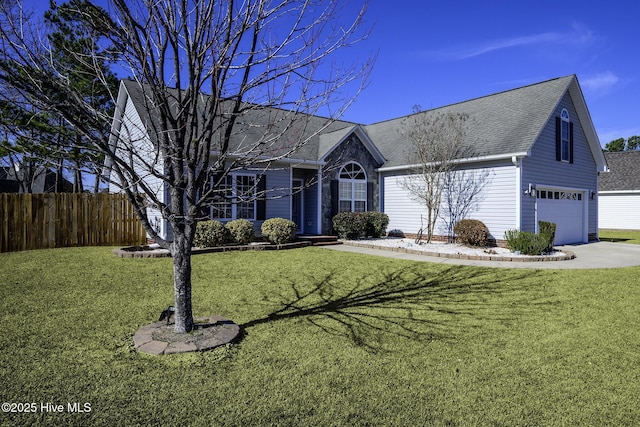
{"x": 509, "y": 156}
{"x": 270, "y": 159}
{"x": 619, "y": 192}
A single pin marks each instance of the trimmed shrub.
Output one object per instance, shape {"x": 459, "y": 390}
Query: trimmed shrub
{"x": 348, "y": 225}
{"x": 353, "y": 225}
{"x": 210, "y": 233}
{"x": 279, "y": 230}
{"x": 396, "y": 233}
{"x": 548, "y": 230}
{"x": 241, "y": 231}
{"x": 525, "y": 242}
{"x": 471, "y": 232}
{"x": 375, "y": 224}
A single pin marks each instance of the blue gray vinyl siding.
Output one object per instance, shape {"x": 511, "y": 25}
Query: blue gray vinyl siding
{"x": 278, "y": 199}
{"x": 542, "y": 169}
{"x": 278, "y": 185}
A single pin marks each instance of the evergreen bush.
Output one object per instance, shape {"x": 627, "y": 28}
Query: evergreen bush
{"x": 375, "y": 224}
{"x": 548, "y": 230}
{"x": 526, "y": 242}
{"x": 241, "y": 231}
{"x": 279, "y": 230}
{"x": 210, "y": 233}
{"x": 348, "y": 225}
{"x": 353, "y": 225}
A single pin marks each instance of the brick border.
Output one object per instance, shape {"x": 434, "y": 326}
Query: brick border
{"x": 223, "y": 331}
{"x": 148, "y": 252}
{"x": 566, "y": 257}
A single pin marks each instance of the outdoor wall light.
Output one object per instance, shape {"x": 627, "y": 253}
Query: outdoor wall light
{"x": 530, "y": 191}
{"x": 592, "y": 194}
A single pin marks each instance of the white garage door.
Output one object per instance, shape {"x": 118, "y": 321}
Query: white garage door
{"x": 566, "y": 210}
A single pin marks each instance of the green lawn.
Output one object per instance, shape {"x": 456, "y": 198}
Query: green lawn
{"x": 623, "y": 236}
{"x": 330, "y": 338}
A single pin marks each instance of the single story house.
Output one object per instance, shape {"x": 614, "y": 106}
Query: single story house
{"x": 536, "y": 147}
{"x": 619, "y": 192}
{"x": 43, "y": 180}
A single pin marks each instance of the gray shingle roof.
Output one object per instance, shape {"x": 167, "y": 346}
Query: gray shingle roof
{"x": 505, "y": 123}
{"x": 263, "y": 123}
{"x": 499, "y": 124}
{"x": 624, "y": 172}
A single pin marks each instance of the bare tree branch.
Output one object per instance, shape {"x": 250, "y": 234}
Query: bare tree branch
{"x": 436, "y": 142}
{"x": 224, "y": 86}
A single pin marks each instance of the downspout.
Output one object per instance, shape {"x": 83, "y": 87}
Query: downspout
{"x": 597, "y": 208}
{"x": 517, "y": 162}
{"x": 291, "y": 190}
{"x": 380, "y": 194}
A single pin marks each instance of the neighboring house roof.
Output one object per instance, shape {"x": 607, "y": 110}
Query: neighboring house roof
{"x": 8, "y": 183}
{"x": 43, "y": 182}
{"x": 501, "y": 125}
{"x": 624, "y": 172}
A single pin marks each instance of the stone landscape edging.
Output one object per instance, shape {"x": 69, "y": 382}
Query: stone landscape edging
{"x": 148, "y": 252}
{"x": 224, "y": 333}
{"x": 568, "y": 255}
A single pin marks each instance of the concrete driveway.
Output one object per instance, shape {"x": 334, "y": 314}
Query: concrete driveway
{"x": 588, "y": 255}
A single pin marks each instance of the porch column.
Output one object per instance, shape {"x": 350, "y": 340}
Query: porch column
{"x": 319, "y": 207}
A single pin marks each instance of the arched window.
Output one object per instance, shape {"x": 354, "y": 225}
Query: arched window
{"x": 565, "y": 151}
{"x": 352, "y": 189}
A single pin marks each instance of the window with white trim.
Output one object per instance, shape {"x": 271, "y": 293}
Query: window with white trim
{"x": 237, "y": 198}
{"x": 565, "y": 155}
{"x": 352, "y": 189}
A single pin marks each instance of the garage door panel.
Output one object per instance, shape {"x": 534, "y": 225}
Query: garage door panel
{"x": 566, "y": 210}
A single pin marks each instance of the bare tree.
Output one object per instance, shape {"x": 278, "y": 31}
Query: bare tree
{"x": 227, "y": 86}
{"x": 436, "y": 140}
{"x": 462, "y": 192}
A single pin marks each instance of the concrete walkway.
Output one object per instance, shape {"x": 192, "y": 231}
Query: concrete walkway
{"x": 590, "y": 255}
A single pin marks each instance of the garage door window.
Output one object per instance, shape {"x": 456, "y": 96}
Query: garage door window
{"x": 559, "y": 195}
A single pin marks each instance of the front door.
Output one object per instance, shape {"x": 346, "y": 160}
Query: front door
{"x": 296, "y": 204}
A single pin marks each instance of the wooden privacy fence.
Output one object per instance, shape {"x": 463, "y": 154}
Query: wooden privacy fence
{"x": 54, "y": 220}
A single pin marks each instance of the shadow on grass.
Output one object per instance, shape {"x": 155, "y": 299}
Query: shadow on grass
{"x": 413, "y": 303}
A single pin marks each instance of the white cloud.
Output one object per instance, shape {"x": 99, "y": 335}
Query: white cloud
{"x": 600, "y": 83}
{"x": 492, "y": 46}
{"x": 576, "y": 37}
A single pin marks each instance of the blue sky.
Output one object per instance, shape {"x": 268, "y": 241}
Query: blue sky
{"x": 435, "y": 53}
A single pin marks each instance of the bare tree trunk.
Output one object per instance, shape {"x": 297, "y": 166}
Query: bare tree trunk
{"x": 181, "y": 253}
{"x": 96, "y": 182}
{"x": 202, "y": 70}
{"x": 77, "y": 181}
{"x": 59, "y": 169}
{"x": 437, "y": 140}
{"x": 430, "y": 224}
{"x": 78, "y": 187}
